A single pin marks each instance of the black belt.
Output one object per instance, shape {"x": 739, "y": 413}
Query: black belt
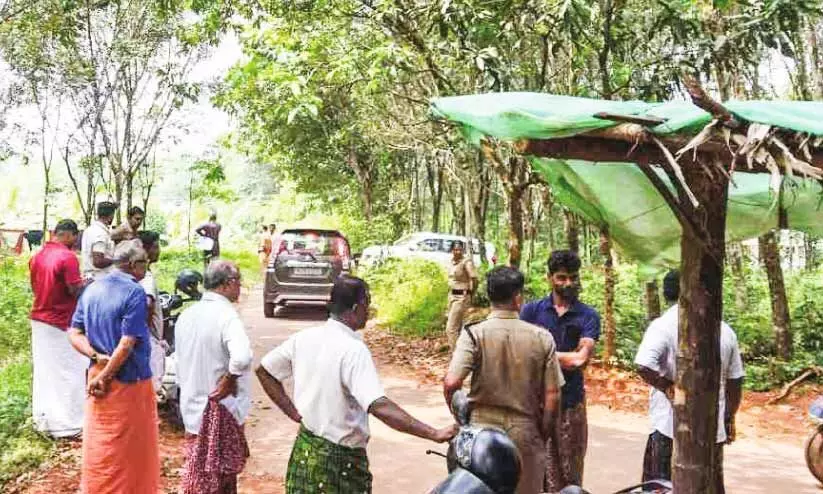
{"x": 459, "y": 292}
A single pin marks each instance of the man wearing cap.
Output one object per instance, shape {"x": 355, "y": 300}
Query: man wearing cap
{"x": 58, "y": 390}
{"x": 97, "y": 247}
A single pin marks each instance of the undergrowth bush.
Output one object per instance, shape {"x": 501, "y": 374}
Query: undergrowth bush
{"x": 409, "y": 295}
{"x": 21, "y": 448}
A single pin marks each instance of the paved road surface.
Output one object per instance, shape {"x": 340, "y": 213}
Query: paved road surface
{"x": 400, "y": 465}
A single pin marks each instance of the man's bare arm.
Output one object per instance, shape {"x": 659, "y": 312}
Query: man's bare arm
{"x": 274, "y": 389}
{"x": 80, "y": 342}
{"x": 398, "y": 419}
{"x": 655, "y": 380}
{"x": 734, "y": 396}
{"x": 578, "y": 358}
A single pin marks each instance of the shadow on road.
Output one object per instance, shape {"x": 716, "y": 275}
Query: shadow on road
{"x": 302, "y": 313}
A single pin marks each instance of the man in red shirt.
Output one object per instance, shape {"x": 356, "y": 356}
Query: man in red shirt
{"x": 58, "y": 393}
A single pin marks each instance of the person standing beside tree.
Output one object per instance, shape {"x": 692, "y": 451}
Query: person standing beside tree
{"x": 656, "y": 359}
{"x": 575, "y": 327}
{"x": 462, "y": 283}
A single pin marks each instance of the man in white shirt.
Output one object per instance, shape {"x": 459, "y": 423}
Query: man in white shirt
{"x": 151, "y": 244}
{"x": 96, "y": 246}
{"x": 213, "y": 351}
{"x": 656, "y": 358}
{"x": 335, "y": 388}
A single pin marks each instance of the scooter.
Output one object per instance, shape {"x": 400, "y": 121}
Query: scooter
{"x": 187, "y": 283}
{"x": 814, "y": 445}
{"x": 484, "y": 460}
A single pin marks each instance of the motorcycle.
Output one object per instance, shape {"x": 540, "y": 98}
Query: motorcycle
{"x": 187, "y": 283}
{"x": 484, "y": 460}
{"x": 814, "y": 445}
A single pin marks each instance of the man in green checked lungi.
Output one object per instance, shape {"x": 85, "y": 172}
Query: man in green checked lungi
{"x": 335, "y": 388}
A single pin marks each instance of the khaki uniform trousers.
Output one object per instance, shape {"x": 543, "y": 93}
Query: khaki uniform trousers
{"x": 525, "y": 432}
{"x": 458, "y": 304}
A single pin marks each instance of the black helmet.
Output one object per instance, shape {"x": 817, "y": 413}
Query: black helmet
{"x": 188, "y": 281}
{"x": 488, "y": 453}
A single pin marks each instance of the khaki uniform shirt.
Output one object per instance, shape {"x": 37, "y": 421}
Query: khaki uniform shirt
{"x": 511, "y": 361}
{"x": 461, "y": 274}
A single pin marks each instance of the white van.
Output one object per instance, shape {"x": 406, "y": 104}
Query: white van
{"x": 426, "y": 245}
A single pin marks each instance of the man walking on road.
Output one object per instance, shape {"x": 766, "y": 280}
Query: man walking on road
{"x": 120, "y": 452}
{"x": 576, "y": 328}
{"x": 656, "y": 358}
{"x": 97, "y": 247}
{"x": 335, "y": 388}
{"x": 462, "y": 282}
{"x": 58, "y": 384}
{"x": 214, "y": 362}
{"x": 504, "y": 353}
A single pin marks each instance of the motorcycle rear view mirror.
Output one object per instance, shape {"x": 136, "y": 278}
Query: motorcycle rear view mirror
{"x": 176, "y": 302}
{"x": 460, "y": 407}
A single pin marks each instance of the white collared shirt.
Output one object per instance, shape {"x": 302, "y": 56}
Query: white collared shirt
{"x": 335, "y": 381}
{"x": 658, "y": 352}
{"x": 210, "y": 341}
{"x": 96, "y": 238}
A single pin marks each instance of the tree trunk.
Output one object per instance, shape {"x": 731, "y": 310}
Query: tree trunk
{"x": 810, "y": 251}
{"x": 46, "y": 191}
{"x": 695, "y": 470}
{"x": 434, "y": 178}
{"x": 608, "y": 295}
{"x": 652, "y": 300}
{"x": 572, "y": 231}
{"x": 481, "y": 205}
{"x": 770, "y": 257}
{"x": 736, "y": 263}
{"x": 515, "y": 206}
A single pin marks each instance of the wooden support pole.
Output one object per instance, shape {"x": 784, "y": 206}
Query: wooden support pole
{"x": 696, "y": 468}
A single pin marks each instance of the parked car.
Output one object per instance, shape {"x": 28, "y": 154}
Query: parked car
{"x": 303, "y": 266}
{"x": 432, "y": 246}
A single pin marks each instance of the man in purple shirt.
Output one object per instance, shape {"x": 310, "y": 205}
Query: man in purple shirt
{"x": 576, "y": 328}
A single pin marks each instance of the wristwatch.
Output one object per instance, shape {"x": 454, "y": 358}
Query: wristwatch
{"x": 93, "y": 358}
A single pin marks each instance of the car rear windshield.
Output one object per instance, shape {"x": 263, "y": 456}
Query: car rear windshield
{"x": 319, "y": 243}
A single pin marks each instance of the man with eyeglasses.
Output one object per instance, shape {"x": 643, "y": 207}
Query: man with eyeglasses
{"x": 109, "y": 326}
{"x": 214, "y": 361}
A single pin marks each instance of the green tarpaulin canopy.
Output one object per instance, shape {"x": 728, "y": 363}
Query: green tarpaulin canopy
{"x": 619, "y": 194}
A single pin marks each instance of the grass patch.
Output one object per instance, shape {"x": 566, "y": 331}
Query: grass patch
{"x": 410, "y": 296}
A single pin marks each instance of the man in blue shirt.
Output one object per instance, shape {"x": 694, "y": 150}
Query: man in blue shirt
{"x": 120, "y": 453}
{"x": 576, "y": 328}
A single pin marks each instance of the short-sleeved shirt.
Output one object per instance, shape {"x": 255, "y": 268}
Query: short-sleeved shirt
{"x": 110, "y": 308}
{"x": 212, "y": 231}
{"x": 658, "y": 352}
{"x": 461, "y": 274}
{"x": 149, "y": 284}
{"x": 335, "y": 381}
{"x": 53, "y": 270}
{"x": 96, "y": 238}
{"x": 124, "y": 231}
{"x": 580, "y": 321}
{"x": 512, "y": 364}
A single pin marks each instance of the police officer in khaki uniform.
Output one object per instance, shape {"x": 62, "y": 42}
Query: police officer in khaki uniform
{"x": 462, "y": 282}
{"x": 505, "y": 353}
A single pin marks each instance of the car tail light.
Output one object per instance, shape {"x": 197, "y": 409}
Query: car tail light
{"x": 342, "y": 251}
{"x": 494, "y": 260}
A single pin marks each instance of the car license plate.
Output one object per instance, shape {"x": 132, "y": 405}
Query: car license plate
{"x": 307, "y": 272}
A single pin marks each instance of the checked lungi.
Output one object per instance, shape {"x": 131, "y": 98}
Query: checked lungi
{"x": 321, "y": 466}
{"x": 566, "y": 449}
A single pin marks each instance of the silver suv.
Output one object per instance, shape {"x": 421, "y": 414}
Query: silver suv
{"x": 303, "y": 266}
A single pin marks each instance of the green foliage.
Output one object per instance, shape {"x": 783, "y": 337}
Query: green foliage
{"x": 15, "y": 303}
{"x": 22, "y": 448}
{"x": 172, "y": 261}
{"x": 410, "y": 296}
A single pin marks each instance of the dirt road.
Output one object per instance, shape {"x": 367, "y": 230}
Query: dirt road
{"x": 400, "y": 465}
{"x": 757, "y": 463}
